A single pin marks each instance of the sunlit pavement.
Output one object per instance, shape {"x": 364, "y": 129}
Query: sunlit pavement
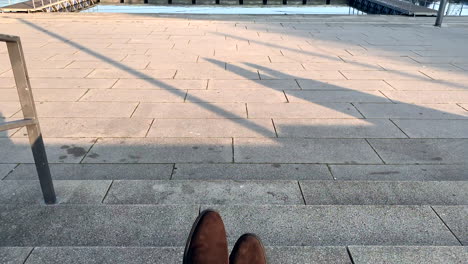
{"x": 331, "y": 137}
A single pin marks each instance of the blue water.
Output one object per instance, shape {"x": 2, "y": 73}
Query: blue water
{"x": 248, "y": 10}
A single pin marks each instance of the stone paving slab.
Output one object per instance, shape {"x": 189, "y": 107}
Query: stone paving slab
{"x": 428, "y": 97}
{"x": 44, "y": 95}
{"x": 96, "y": 172}
{"x": 161, "y": 150}
{"x": 337, "y": 225}
{"x": 157, "y": 96}
{"x": 5, "y": 169}
{"x": 433, "y": 128}
{"x": 411, "y": 111}
{"x": 171, "y": 255}
{"x": 14, "y": 255}
{"x": 212, "y": 128}
{"x": 236, "y": 96}
{"x": 455, "y": 218}
{"x": 430, "y": 85}
{"x": 132, "y": 74}
{"x": 274, "y": 171}
{"x": 59, "y": 150}
{"x": 204, "y": 192}
{"x": 85, "y": 109}
{"x": 96, "y": 225}
{"x": 7, "y": 83}
{"x": 413, "y": 254}
{"x": 71, "y": 83}
{"x": 129, "y": 255}
{"x": 7, "y": 109}
{"x": 384, "y": 193}
{"x": 337, "y": 128}
{"x": 336, "y": 97}
{"x": 421, "y": 151}
{"x": 347, "y": 85}
{"x": 302, "y": 110}
{"x": 383, "y": 75}
{"x": 137, "y": 84}
{"x": 400, "y": 172}
{"x": 301, "y": 74}
{"x": 68, "y": 192}
{"x": 92, "y": 127}
{"x": 253, "y": 84}
{"x": 307, "y": 255}
{"x": 199, "y": 110}
{"x": 289, "y": 150}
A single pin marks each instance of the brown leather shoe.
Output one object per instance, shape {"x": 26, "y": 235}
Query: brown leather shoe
{"x": 248, "y": 250}
{"x": 207, "y": 243}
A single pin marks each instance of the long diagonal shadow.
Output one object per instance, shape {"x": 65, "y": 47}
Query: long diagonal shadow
{"x": 273, "y": 73}
{"x": 366, "y": 65}
{"x": 210, "y": 107}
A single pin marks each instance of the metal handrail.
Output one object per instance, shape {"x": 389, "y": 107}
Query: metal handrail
{"x": 30, "y": 121}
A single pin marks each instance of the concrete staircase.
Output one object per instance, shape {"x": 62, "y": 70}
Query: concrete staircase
{"x": 143, "y": 213}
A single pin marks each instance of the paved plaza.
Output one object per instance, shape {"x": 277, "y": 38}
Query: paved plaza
{"x": 337, "y": 139}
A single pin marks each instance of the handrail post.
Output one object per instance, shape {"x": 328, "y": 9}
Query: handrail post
{"x": 28, "y": 108}
{"x": 440, "y": 13}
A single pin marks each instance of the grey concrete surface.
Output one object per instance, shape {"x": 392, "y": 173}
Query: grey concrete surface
{"x": 204, "y": 192}
{"x": 400, "y": 172}
{"x": 337, "y": 128}
{"x": 14, "y": 255}
{"x": 455, "y": 218}
{"x": 5, "y": 169}
{"x": 274, "y": 171}
{"x": 287, "y": 150}
{"x": 160, "y": 150}
{"x": 68, "y": 192}
{"x": 130, "y": 255}
{"x": 96, "y": 172}
{"x": 433, "y": 128}
{"x": 417, "y": 254}
{"x": 384, "y": 193}
{"x": 96, "y": 225}
{"x": 408, "y": 151}
{"x": 337, "y": 225}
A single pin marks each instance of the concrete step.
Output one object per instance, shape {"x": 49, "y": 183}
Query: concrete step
{"x": 229, "y": 192}
{"x": 291, "y": 225}
{"x": 276, "y": 255}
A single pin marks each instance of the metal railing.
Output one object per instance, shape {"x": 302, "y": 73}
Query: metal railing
{"x": 30, "y": 121}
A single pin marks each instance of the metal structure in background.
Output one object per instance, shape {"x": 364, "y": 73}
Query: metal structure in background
{"x": 440, "y": 13}
{"x": 33, "y": 6}
{"x": 30, "y": 121}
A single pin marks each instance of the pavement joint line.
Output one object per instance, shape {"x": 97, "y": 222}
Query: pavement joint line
{"x": 149, "y": 128}
{"x": 107, "y": 192}
{"x": 274, "y": 127}
{"x": 428, "y": 76}
{"x": 233, "y": 155}
{"x": 350, "y": 255}
{"x": 29, "y": 254}
{"x": 134, "y": 110}
{"x": 343, "y": 74}
{"x": 171, "y": 177}
{"x": 302, "y": 193}
{"x": 83, "y": 95}
{"x": 330, "y": 170}
{"x": 207, "y": 84}
{"x": 87, "y": 152}
{"x": 442, "y": 220}
{"x": 372, "y": 147}
{"x": 394, "y": 89}
{"x": 393, "y": 122}
{"x": 11, "y": 171}
{"x": 287, "y": 99}
{"x": 384, "y": 95}
{"x": 363, "y": 116}
{"x": 459, "y": 104}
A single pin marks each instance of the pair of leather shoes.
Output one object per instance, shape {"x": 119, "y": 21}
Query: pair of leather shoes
{"x": 207, "y": 244}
